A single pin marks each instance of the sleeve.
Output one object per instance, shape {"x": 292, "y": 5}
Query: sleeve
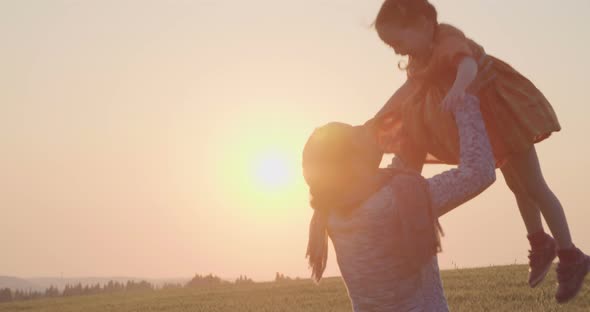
{"x": 476, "y": 169}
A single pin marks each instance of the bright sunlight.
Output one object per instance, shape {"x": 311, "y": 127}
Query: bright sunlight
{"x": 272, "y": 171}
{"x": 261, "y": 172}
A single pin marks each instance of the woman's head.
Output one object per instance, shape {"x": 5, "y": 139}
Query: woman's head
{"x": 407, "y": 26}
{"x": 335, "y": 156}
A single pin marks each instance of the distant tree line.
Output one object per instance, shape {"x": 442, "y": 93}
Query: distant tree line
{"x": 7, "y": 294}
{"x": 198, "y": 281}
{"x": 279, "y": 278}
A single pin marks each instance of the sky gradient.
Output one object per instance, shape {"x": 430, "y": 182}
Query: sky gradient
{"x": 132, "y": 133}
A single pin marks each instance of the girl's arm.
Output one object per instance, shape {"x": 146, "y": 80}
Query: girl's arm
{"x": 466, "y": 74}
{"x": 476, "y": 169}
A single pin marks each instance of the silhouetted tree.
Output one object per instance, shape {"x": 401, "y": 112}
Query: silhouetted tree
{"x": 52, "y": 291}
{"x": 201, "y": 281}
{"x": 96, "y": 289}
{"x": 5, "y": 295}
{"x": 113, "y": 286}
{"x": 243, "y": 280}
{"x": 66, "y": 291}
{"x": 143, "y": 285}
{"x": 33, "y": 294}
{"x": 281, "y": 278}
{"x": 172, "y": 286}
{"x": 72, "y": 290}
{"x": 18, "y": 295}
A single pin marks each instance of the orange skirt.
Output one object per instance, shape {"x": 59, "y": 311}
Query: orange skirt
{"x": 517, "y": 115}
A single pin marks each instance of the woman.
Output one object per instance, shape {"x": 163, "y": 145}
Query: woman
{"x": 383, "y": 222}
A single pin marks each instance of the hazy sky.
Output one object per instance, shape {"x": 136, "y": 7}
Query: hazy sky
{"x": 136, "y": 136}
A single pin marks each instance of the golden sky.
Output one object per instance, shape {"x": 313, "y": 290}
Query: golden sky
{"x": 163, "y": 138}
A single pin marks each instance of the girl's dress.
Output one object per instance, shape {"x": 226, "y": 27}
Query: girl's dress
{"x": 517, "y": 115}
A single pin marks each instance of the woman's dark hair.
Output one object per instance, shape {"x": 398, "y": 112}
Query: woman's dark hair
{"x": 405, "y": 12}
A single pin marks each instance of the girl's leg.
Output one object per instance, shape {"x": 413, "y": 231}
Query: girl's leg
{"x": 573, "y": 265}
{"x": 542, "y": 252}
{"x": 529, "y": 210}
{"x": 528, "y": 171}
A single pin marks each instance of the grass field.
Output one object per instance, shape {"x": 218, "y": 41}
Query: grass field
{"x": 485, "y": 289}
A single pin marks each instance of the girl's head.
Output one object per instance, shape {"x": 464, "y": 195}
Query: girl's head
{"x": 334, "y": 157}
{"x": 408, "y": 26}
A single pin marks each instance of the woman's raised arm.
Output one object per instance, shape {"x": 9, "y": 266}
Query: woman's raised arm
{"x": 476, "y": 170}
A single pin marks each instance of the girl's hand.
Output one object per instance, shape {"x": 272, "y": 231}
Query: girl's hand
{"x": 454, "y": 98}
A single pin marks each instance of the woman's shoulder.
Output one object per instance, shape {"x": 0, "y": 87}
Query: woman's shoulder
{"x": 367, "y": 223}
{"x": 406, "y": 191}
{"x": 410, "y": 190}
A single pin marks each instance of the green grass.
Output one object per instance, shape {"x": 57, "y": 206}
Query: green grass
{"x": 484, "y": 289}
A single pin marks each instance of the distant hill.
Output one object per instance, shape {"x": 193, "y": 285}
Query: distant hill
{"x": 18, "y": 283}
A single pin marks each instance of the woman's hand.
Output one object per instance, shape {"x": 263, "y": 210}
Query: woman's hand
{"x": 455, "y": 97}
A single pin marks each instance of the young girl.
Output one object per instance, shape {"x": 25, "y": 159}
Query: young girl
{"x": 442, "y": 65}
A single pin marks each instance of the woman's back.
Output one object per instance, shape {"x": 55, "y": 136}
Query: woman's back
{"x": 368, "y": 235}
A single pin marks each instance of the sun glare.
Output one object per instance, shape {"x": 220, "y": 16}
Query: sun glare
{"x": 262, "y": 172}
{"x": 272, "y": 171}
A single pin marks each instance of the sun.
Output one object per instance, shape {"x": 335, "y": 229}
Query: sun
{"x": 272, "y": 171}
{"x": 261, "y": 172}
